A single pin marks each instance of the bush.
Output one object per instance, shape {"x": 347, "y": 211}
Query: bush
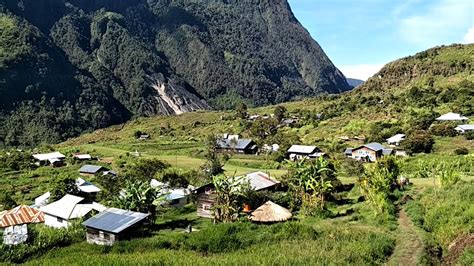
{"x": 443, "y": 129}
{"x": 418, "y": 141}
{"x": 469, "y": 135}
{"x": 461, "y": 151}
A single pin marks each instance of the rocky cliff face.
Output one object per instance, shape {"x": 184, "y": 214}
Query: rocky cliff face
{"x": 113, "y": 59}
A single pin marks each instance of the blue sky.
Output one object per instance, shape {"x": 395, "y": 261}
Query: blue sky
{"x": 360, "y": 36}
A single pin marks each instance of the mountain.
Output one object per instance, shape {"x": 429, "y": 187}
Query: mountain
{"x": 354, "y": 82}
{"x": 71, "y": 66}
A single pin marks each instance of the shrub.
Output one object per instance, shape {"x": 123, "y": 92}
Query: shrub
{"x": 443, "y": 129}
{"x": 461, "y": 151}
{"x": 418, "y": 141}
{"x": 469, "y": 135}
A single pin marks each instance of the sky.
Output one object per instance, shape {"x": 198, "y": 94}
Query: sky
{"x": 360, "y": 36}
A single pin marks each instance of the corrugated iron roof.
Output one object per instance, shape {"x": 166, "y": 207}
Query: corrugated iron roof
{"x": 114, "y": 220}
{"x": 90, "y": 169}
{"x": 259, "y": 180}
{"x": 21, "y": 215}
{"x": 302, "y": 149}
{"x": 48, "y": 156}
{"x": 238, "y": 144}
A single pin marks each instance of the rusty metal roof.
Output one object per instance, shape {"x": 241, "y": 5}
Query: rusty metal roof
{"x": 21, "y": 215}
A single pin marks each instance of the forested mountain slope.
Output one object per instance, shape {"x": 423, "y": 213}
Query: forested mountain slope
{"x": 70, "y": 66}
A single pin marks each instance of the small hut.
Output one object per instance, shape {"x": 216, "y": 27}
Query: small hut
{"x": 270, "y": 213}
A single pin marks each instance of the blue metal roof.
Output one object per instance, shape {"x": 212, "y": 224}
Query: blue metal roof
{"x": 90, "y": 169}
{"x": 114, "y": 220}
{"x": 374, "y": 146}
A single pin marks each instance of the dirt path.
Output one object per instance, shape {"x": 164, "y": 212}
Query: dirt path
{"x": 409, "y": 246}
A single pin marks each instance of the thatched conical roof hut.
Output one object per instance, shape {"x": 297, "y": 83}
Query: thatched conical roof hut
{"x": 269, "y": 213}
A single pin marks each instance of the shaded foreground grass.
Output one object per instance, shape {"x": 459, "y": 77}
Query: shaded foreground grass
{"x": 341, "y": 244}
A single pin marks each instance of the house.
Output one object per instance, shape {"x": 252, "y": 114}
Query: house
{"x": 348, "y": 152}
{"x": 112, "y": 225}
{"x": 396, "y": 139}
{"x": 60, "y": 213}
{"x": 243, "y": 146}
{"x": 144, "y": 137}
{"x": 174, "y": 197}
{"x": 82, "y": 157}
{"x": 42, "y": 200}
{"x": 462, "y": 129}
{"x": 205, "y": 195}
{"x": 452, "y": 117}
{"x": 15, "y": 223}
{"x": 270, "y": 148}
{"x": 371, "y": 152}
{"x": 54, "y": 159}
{"x": 288, "y": 122}
{"x": 87, "y": 187}
{"x": 297, "y": 152}
{"x": 270, "y": 213}
{"x": 90, "y": 170}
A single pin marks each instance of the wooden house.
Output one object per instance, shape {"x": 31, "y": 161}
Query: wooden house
{"x": 90, "y": 170}
{"x": 242, "y": 146}
{"x": 298, "y": 152}
{"x": 370, "y": 152}
{"x": 14, "y": 223}
{"x": 112, "y": 225}
{"x": 205, "y": 195}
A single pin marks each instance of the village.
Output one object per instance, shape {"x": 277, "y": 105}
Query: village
{"x": 249, "y": 194}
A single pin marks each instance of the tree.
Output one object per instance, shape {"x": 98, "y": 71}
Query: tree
{"x": 138, "y": 196}
{"x": 63, "y": 187}
{"x": 6, "y": 201}
{"x": 312, "y": 181}
{"x": 378, "y": 181}
{"x": 280, "y": 112}
{"x": 229, "y": 193}
{"x": 213, "y": 165}
{"x": 145, "y": 169}
{"x": 174, "y": 177}
{"x": 241, "y": 110}
{"x": 418, "y": 141}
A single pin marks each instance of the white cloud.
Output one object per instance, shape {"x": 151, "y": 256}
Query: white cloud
{"x": 469, "y": 37}
{"x": 362, "y": 71}
{"x": 442, "y": 23}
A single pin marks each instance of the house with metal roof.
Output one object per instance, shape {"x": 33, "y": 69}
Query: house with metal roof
{"x": 53, "y": 158}
{"x": 82, "y": 157}
{"x": 259, "y": 181}
{"x": 371, "y": 152}
{"x": 88, "y": 170}
{"x": 243, "y": 146}
{"x": 462, "y": 129}
{"x": 86, "y": 186}
{"x": 113, "y": 225}
{"x": 60, "y": 213}
{"x": 15, "y": 223}
{"x": 297, "y": 152}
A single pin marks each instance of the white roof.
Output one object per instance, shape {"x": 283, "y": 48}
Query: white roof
{"x": 397, "y": 138}
{"x": 83, "y": 156}
{"x": 68, "y": 207}
{"x": 452, "y": 117}
{"x": 86, "y": 186}
{"x": 42, "y": 200}
{"x": 465, "y": 127}
{"x": 155, "y": 183}
{"x": 302, "y": 149}
{"x": 48, "y": 156}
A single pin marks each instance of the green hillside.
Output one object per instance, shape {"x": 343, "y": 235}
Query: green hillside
{"x": 107, "y": 61}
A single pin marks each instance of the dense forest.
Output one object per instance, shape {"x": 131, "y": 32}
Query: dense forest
{"x": 71, "y": 66}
